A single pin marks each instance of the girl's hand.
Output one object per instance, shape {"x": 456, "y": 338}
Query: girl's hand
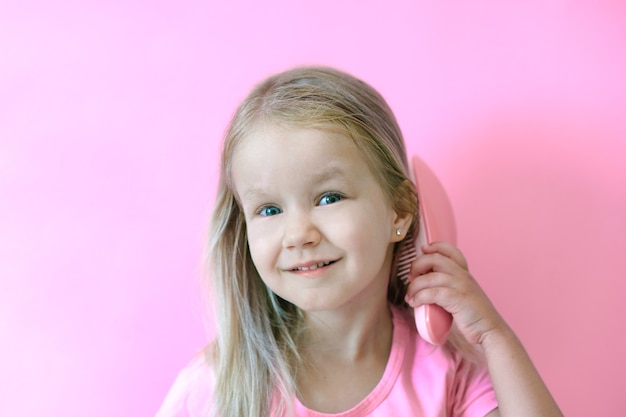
{"x": 441, "y": 277}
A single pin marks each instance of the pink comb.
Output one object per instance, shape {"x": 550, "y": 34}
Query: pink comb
{"x": 436, "y": 223}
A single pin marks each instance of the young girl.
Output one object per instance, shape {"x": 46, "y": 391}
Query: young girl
{"x": 314, "y": 200}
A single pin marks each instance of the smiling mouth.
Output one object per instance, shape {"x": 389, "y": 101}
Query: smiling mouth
{"x": 313, "y": 267}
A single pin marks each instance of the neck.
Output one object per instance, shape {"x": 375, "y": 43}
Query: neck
{"x": 349, "y": 335}
{"x": 345, "y": 357}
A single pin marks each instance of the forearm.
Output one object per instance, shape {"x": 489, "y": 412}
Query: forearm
{"x": 519, "y": 388}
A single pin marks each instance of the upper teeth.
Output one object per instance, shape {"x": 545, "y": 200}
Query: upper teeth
{"x": 312, "y": 267}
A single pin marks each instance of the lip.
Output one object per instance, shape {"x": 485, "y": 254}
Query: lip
{"x": 311, "y": 266}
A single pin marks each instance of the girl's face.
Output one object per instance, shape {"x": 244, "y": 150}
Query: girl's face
{"x": 319, "y": 226}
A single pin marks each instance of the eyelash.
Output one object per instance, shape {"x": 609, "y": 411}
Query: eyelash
{"x": 262, "y": 211}
{"x": 333, "y": 194}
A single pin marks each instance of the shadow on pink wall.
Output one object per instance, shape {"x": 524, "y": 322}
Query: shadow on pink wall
{"x": 110, "y": 119}
{"x": 540, "y": 194}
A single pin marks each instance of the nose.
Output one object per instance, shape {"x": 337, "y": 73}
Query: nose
{"x": 300, "y": 231}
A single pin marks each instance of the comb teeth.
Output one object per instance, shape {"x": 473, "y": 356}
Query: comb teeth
{"x": 406, "y": 255}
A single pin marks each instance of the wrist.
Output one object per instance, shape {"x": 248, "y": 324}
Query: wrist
{"x": 498, "y": 337}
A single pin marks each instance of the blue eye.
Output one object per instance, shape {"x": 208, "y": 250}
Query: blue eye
{"x": 330, "y": 198}
{"x": 269, "y": 211}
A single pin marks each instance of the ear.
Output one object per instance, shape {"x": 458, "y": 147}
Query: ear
{"x": 401, "y": 225}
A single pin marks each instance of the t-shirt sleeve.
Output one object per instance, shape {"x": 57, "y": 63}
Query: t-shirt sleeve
{"x": 190, "y": 394}
{"x": 472, "y": 392}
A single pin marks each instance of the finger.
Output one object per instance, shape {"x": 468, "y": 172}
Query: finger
{"x": 434, "y": 262}
{"x": 431, "y": 280}
{"x": 447, "y": 250}
{"x": 446, "y": 297}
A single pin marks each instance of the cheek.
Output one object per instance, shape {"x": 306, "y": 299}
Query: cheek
{"x": 262, "y": 250}
{"x": 373, "y": 248}
{"x": 369, "y": 223}
{"x": 375, "y": 239}
{"x": 364, "y": 235}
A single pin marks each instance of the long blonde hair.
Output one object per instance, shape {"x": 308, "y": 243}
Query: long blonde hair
{"x": 255, "y": 355}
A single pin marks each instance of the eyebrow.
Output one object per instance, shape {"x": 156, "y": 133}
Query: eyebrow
{"x": 330, "y": 172}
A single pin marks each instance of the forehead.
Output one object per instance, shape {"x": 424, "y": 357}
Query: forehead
{"x": 280, "y": 154}
{"x": 270, "y": 141}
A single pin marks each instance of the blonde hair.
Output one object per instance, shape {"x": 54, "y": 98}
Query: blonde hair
{"x": 255, "y": 355}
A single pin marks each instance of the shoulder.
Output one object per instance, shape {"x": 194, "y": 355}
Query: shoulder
{"x": 190, "y": 394}
{"x": 445, "y": 360}
{"x": 444, "y": 381}
{"x": 423, "y": 361}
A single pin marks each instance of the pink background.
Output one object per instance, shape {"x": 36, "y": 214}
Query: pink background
{"x": 111, "y": 115}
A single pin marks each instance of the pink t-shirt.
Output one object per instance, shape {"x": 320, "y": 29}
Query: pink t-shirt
{"x": 419, "y": 380}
